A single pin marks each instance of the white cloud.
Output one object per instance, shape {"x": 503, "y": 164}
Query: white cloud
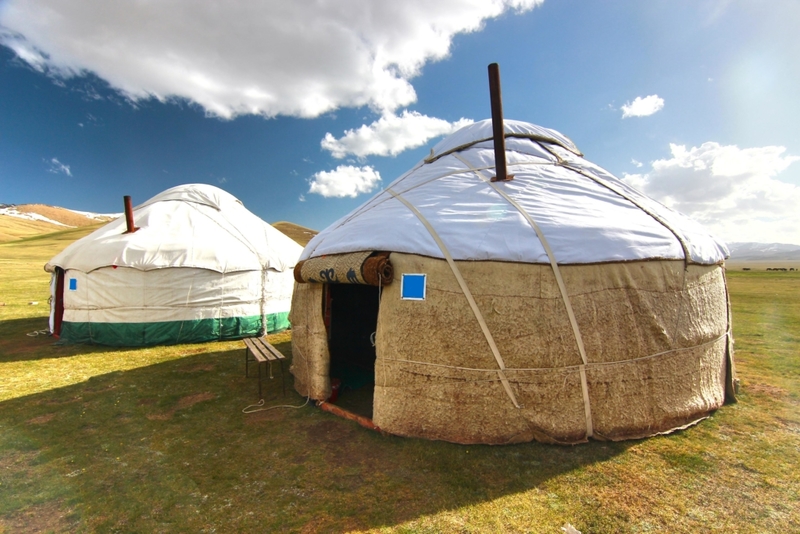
{"x": 272, "y": 57}
{"x": 345, "y": 181}
{"x": 56, "y": 167}
{"x": 732, "y": 191}
{"x": 642, "y": 107}
{"x": 637, "y": 163}
{"x": 390, "y": 135}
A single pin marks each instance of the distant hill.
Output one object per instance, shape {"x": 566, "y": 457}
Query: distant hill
{"x": 300, "y": 234}
{"x": 764, "y": 252}
{"x": 29, "y": 220}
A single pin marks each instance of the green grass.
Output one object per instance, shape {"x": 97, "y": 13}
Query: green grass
{"x": 154, "y": 440}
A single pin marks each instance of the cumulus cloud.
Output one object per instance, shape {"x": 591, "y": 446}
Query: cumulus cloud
{"x": 56, "y": 167}
{"x": 273, "y": 57}
{"x": 345, "y": 181}
{"x": 730, "y": 190}
{"x": 642, "y": 107}
{"x": 390, "y": 135}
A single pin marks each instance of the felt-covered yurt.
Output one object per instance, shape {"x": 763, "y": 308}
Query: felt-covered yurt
{"x": 558, "y": 305}
{"x": 195, "y": 266}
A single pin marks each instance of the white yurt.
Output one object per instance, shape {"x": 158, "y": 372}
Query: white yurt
{"x": 558, "y": 305}
{"x": 198, "y": 266}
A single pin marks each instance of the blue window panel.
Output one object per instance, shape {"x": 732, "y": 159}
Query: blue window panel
{"x": 73, "y": 284}
{"x": 413, "y": 286}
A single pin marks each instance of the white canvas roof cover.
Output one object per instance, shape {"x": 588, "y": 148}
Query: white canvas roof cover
{"x": 583, "y": 212}
{"x": 195, "y": 225}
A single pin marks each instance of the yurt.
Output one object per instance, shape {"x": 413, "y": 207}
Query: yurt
{"x": 191, "y": 264}
{"x": 554, "y": 303}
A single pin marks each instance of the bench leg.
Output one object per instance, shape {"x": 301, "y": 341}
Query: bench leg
{"x": 246, "y": 361}
{"x": 260, "y": 396}
{"x": 283, "y": 380}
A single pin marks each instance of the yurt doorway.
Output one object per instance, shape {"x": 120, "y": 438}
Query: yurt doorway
{"x": 57, "y": 304}
{"x": 351, "y": 318}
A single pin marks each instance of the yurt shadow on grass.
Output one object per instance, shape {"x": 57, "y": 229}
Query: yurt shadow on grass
{"x": 164, "y": 445}
{"x": 557, "y": 306}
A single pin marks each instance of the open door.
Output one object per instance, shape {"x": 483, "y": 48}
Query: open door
{"x": 58, "y": 303}
{"x": 351, "y": 319}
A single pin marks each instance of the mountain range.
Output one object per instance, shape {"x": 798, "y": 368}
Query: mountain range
{"x": 764, "y": 252}
{"x": 26, "y": 220}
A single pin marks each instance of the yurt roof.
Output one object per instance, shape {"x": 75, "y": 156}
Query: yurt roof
{"x": 557, "y": 199}
{"x": 195, "y": 225}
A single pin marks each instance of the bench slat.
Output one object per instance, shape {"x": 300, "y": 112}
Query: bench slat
{"x": 269, "y": 351}
{"x": 255, "y": 350}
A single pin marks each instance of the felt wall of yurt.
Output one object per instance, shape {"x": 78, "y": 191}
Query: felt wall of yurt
{"x": 198, "y": 267}
{"x": 558, "y": 307}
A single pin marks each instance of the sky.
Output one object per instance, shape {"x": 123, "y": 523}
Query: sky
{"x": 303, "y": 110}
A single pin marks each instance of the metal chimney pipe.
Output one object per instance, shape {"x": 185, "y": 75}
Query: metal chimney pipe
{"x": 129, "y": 215}
{"x": 498, "y": 133}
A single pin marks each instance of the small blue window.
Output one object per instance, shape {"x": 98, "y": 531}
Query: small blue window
{"x": 73, "y": 284}
{"x": 413, "y": 286}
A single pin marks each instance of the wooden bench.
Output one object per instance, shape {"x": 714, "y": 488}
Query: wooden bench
{"x": 258, "y": 349}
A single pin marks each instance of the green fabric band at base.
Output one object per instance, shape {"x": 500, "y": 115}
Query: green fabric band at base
{"x": 278, "y": 322}
{"x": 171, "y": 332}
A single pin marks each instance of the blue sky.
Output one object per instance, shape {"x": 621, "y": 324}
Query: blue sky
{"x": 305, "y": 109}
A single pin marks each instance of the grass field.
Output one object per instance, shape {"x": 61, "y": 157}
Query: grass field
{"x": 154, "y": 440}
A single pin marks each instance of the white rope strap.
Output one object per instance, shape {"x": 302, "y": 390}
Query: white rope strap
{"x": 561, "y": 287}
{"x": 467, "y": 293}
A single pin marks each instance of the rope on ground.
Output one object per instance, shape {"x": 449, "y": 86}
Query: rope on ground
{"x": 36, "y": 333}
{"x": 253, "y": 408}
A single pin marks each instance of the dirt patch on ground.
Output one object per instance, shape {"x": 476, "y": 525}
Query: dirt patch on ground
{"x": 275, "y": 414}
{"x": 191, "y": 400}
{"x": 772, "y": 391}
{"x": 16, "y": 460}
{"x": 62, "y": 401}
{"x": 42, "y": 419}
{"x": 183, "y": 403}
{"x": 790, "y": 425}
{"x": 46, "y": 517}
{"x": 166, "y": 416}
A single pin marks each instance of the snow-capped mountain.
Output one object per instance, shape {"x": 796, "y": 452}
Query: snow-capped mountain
{"x": 763, "y": 252}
